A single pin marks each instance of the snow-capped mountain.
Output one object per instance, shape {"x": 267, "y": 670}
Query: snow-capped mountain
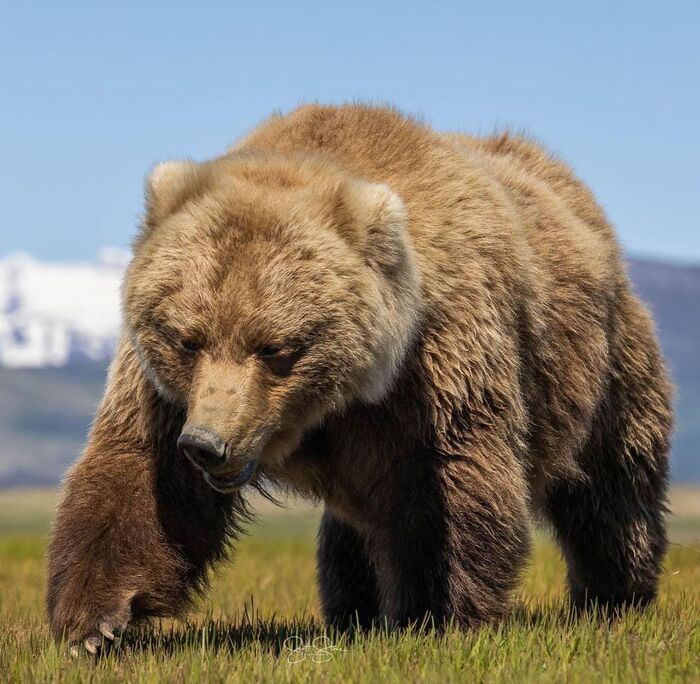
{"x": 53, "y": 314}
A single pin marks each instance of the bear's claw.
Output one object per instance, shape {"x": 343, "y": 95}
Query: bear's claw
{"x": 98, "y": 643}
{"x": 106, "y": 630}
{"x": 92, "y": 644}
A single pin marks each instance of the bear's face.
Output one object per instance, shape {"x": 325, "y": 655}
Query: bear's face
{"x": 264, "y": 294}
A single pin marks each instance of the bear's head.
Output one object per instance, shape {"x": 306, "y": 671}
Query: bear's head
{"x": 265, "y": 292}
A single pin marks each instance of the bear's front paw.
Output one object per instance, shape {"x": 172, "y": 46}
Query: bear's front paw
{"x": 90, "y": 623}
{"x": 106, "y": 634}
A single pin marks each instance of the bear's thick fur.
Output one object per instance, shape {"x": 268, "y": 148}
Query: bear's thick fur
{"x": 433, "y": 334}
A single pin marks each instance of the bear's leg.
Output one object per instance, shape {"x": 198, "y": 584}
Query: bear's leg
{"x": 131, "y": 539}
{"x": 454, "y": 539}
{"x": 611, "y": 527}
{"x": 613, "y": 540}
{"x": 136, "y": 527}
{"x": 347, "y": 582}
{"x": 610, "y": 522}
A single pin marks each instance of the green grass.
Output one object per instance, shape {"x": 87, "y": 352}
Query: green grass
{"x": 267, "y": 596}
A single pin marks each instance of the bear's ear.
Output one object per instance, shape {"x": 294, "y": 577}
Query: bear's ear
{"x": 373, "y": 219}
{"x": 168, "y": 185}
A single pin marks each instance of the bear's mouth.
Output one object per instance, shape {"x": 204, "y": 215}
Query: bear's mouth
{"x": 226, "y": 486}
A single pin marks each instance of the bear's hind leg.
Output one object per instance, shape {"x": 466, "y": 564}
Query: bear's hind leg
{"x": 347, "y": 582}
{"x": 613, "y": 537}
{"x": 611, "y": 523}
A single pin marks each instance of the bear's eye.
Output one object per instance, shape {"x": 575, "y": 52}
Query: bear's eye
{"x": 268, "y": 351}
{"x": 279, "y": 359}
{"x": 191, "y": 346}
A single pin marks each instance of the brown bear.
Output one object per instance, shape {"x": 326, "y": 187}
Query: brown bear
{"x": 432, "y": 334}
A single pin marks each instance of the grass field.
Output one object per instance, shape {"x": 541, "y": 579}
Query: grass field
{"x": 261, "y": 621}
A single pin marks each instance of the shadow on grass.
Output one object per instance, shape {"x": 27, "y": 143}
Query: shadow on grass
{"x": 250, "y": 629}
{"x": 270, "y": 635}
{"x": 276, "y": 636}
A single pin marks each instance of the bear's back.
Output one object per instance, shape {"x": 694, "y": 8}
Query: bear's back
{"x": 531, "y": 158}
{"x": 429, "y": 170}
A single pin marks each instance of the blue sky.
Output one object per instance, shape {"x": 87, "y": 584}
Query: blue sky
{"x": 92, "y": 96}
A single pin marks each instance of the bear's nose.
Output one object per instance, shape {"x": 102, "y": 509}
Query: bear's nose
{"x": 202, "y": 446}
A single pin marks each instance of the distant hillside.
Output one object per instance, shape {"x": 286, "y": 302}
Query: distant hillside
{"x": 46, "y": 409}
{"x": 44, "y": 417}
{"x": 673, "y": 294}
